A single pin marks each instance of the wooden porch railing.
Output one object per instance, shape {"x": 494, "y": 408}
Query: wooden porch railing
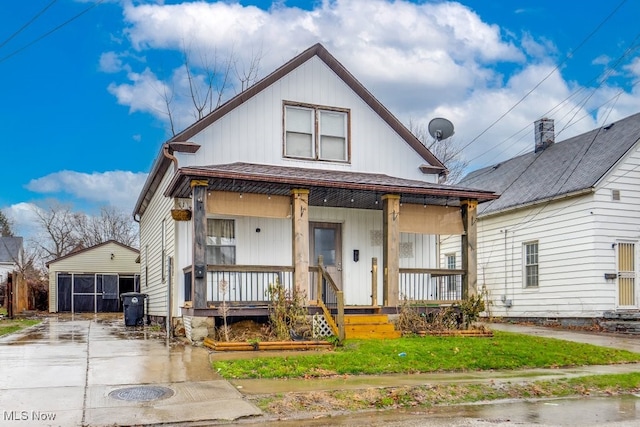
{"x": 245, "y": 284}
{"x": 431, "y": 285}
{"x": 329, "y": 298}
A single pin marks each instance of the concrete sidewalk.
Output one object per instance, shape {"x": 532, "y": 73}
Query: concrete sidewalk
{"x": 97, "y": 372}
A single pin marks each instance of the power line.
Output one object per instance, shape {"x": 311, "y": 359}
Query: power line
{"x": 29, "y": 22}
{"x": 48, "y": 33}
{"x": 567, "y": 57}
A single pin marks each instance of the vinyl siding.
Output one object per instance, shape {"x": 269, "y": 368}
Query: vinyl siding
{"x": 577, "y": 240}
{"x": 151, "y": 249}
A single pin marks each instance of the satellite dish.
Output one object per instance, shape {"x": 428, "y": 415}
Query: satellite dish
{"x": 440, "y": 128}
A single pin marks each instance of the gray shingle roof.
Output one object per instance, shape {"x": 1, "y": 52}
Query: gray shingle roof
{"x": 563, "y": 168}
{"x": 10, "y": 249}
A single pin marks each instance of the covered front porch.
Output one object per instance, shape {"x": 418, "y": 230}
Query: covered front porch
{"x": 371, "y": 237}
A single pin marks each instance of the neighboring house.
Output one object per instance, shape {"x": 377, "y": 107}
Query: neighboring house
{"x": 562, "y": 241}
{"x": 11, "y": 256}
{"x": 305, "y": 163}
{"x": 91, "y": 280}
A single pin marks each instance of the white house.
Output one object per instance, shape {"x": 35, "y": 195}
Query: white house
{"x": 11, "y": 256}
{"x": 303, "y": 164}
{"x": 561, "y": 242}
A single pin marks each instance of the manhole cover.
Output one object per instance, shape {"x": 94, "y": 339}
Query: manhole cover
{"x": 141, "y": 393}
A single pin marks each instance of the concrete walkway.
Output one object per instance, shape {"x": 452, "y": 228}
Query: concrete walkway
{"x": 96, "y": 372}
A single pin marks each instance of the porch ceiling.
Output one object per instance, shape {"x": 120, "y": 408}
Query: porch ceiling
{"x": 326, "y": 187}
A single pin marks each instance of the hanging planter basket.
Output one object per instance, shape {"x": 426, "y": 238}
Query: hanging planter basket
{"x": 181, "y": 214}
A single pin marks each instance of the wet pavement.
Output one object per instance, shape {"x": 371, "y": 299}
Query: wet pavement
{"x": 71, "y": 371}
{"x": 94, "y": 371}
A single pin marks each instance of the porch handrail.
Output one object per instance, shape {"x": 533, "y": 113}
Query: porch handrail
{"x": 431, "y": 285}
{"x": 330, "y": 298}
{"x": 245, "y": 284}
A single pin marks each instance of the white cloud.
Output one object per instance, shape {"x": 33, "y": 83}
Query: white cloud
{"x": 110, "y": 62}
{"x": 421, "y": 60}
{"x": 114, "y": 188}
{"x": 23, "y": 218}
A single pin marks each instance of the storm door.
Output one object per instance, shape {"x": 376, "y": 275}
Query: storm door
{"x": 107, "y": 284}
{"x": 326, "y": 239}
{"x": 626, "y": 275}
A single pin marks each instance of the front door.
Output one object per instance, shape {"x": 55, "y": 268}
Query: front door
{"x": 626, "y": 275}
{"x": 325, "y": 239}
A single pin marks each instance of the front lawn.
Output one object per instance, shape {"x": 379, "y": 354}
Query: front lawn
{"x": 427, "y": 354}
{"x": 9, "y": 326}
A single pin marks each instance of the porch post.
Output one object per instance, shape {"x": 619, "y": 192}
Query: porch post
{"x": 390, "y": 249}
{"x": 469, "y": 245}
{"x": 300, "y": 224}
{"x": 199, "y": 266}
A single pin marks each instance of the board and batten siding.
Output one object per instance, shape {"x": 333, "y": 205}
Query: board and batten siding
{"x": 151, "y": 223}
{"x": 96, "y": 260}
{"x": 253, "y": 132}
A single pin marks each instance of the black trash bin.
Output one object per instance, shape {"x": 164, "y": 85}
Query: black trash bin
{"x": 133, "y": 305}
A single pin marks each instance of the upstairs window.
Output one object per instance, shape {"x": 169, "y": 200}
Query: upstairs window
{"x": 316, "y": 133}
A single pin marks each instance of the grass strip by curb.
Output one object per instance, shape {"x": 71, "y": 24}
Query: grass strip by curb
{"x": 426, "y": 396}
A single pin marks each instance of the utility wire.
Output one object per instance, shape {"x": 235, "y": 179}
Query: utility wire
{"x": 29, "y": 22}
{"x": 48, "y": 33}
{"x": 567, "y": 57}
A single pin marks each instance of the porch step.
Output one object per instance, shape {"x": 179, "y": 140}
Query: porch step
{"x": 369, "y": 326}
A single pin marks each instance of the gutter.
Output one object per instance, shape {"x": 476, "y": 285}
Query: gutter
{"x": 571, "y": 195}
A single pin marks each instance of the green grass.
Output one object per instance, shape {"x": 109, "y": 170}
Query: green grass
{"x": 9, "y": 326}
{"x": 428, "y": 354}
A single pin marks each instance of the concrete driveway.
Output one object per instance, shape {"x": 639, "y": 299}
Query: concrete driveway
{"x": 94, "y": 371}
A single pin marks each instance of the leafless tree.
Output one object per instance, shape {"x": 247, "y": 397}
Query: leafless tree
{"x": 210, "y": 79}
{"x": 57, "y": 235}
{"x": 111, "y": 224}
{"x": 447, "y": 151}
{"x": 5, "y": 226}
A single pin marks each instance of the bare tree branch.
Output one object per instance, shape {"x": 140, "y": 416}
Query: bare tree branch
{"x": 447, "y": 151}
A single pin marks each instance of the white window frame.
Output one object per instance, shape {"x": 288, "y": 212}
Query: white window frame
{"x": 315, "y": 132}
{"x": 531, "y": 262}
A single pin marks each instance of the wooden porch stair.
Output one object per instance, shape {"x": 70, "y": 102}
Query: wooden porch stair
{"x": 369, "y": 326}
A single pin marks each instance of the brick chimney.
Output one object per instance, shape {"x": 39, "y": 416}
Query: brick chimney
{"x": 544, "y": 133}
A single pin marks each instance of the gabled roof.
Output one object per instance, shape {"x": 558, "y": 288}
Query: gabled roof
{"x": 10, "y": 248}
{"x": 69, "y": 255}
{"x": 162, "y": 162}
{"x": 569, "y": 167}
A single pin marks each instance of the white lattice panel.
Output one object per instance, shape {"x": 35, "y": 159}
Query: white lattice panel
{"x": 320, "y": 327}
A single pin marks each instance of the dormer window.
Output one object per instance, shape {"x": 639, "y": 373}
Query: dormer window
{"x": 317, "y": 133}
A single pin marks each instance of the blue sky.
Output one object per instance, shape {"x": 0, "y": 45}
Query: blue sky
{"x": 82, "y": 114}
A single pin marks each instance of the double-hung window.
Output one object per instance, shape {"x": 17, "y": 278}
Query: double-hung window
{"x": 221, "y": 241}
{"x": 531, "y": 264}
{"x": 317, "y": 133}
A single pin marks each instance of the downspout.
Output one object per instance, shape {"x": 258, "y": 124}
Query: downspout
{"x": 168, "y": 155}
{"x": 169, "y": 297}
